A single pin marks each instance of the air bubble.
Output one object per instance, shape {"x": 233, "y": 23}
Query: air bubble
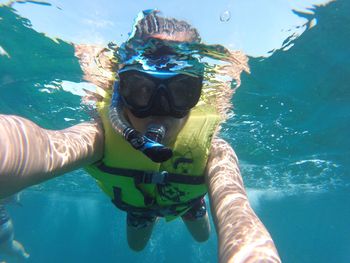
{"x": 225, "y": 16}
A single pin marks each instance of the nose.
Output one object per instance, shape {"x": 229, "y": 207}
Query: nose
{"x": 164, "y": 104}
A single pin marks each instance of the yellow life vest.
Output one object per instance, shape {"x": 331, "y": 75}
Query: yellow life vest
{"x": 135, "y": 183}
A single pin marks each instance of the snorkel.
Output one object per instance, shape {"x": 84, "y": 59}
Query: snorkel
{"x": 148, "y": 143}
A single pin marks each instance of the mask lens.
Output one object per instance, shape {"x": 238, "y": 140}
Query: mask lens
{"x": 185, "y": 91}
{"x": 148, "y": 94}
{"x": 136, "y": 89}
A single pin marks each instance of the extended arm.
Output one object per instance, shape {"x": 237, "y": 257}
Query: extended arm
{"x": 242, "y": 236}
{"x": 30, "y": 154}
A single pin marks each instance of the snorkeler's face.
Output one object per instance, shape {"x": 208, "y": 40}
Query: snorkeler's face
{"x": 147, "y": 93}
{"x": 172, "y": 125}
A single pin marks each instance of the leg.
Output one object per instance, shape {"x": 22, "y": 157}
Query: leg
{"x": 139, "y": 230}
{"x": 197, "y": 221}
{"x": 18, "y": 251}
{"x": 8, "y": 245}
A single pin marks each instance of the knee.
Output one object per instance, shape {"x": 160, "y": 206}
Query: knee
{"x": 201, "y": 237}
{"x": 199, "y": 228}
{"x": 137, "y": 245}
{"x": 138, "y": 238}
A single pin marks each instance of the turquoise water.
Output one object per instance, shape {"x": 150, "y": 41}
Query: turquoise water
{"x": 289, "y": 128}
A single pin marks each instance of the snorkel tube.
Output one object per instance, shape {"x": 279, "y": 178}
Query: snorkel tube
{"x": 149, "y": 143}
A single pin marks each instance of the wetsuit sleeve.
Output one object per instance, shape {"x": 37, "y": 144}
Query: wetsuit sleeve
{"x": 241, "y": 235}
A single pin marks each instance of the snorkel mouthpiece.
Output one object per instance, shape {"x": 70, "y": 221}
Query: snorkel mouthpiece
{"x": 156, "y": 151}
{"x": 149, "y": 144}
{"x": 155, "y": 132}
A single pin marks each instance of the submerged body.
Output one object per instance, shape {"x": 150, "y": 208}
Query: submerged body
{"x": 32, "y": 154}
{"x": 10, "y": 249}
{"x": 82, "y": 144}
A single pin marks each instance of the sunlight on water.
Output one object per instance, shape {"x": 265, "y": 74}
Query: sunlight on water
{"x": 264, "y": 132}
{"x": 289, "y": 124}
{"x": 271, "y": 24}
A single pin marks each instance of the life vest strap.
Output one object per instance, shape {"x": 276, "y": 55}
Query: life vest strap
{"x": 146, "y": 177}
{"x": 154, "y": 210}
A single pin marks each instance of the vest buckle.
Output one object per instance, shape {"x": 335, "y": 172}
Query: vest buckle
{"x": 154, "y": 177}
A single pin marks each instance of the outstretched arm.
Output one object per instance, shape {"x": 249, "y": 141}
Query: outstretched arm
{"x": 242, "y": 236}
{"x": 30, "y": 154}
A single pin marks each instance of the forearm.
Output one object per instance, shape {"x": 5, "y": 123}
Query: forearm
{"x": 241, "y": 235}
{"x": 30, "y": 154}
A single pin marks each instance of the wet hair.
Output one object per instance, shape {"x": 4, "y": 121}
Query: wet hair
{"x": 157, "y": 41}
{"x": 152, "y": 25}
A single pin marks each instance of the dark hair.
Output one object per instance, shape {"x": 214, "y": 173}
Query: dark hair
{"x": 152, "y": 25}
{"x": 159, "y": 42}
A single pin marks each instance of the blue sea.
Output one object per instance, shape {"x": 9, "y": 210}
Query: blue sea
{"x": 290, "y": 125}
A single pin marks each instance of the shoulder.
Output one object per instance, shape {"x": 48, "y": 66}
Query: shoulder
{"x": 95, "y": 62}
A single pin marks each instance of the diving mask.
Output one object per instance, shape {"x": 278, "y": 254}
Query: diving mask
{"x": 159, "y": 93}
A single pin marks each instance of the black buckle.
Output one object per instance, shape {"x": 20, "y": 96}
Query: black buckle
{"x": 154, "y": 178}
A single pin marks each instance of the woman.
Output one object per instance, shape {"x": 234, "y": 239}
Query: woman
{"x": 153, "y": 150}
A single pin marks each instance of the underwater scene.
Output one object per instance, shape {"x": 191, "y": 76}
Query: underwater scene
{"x": 289, "y": 122}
